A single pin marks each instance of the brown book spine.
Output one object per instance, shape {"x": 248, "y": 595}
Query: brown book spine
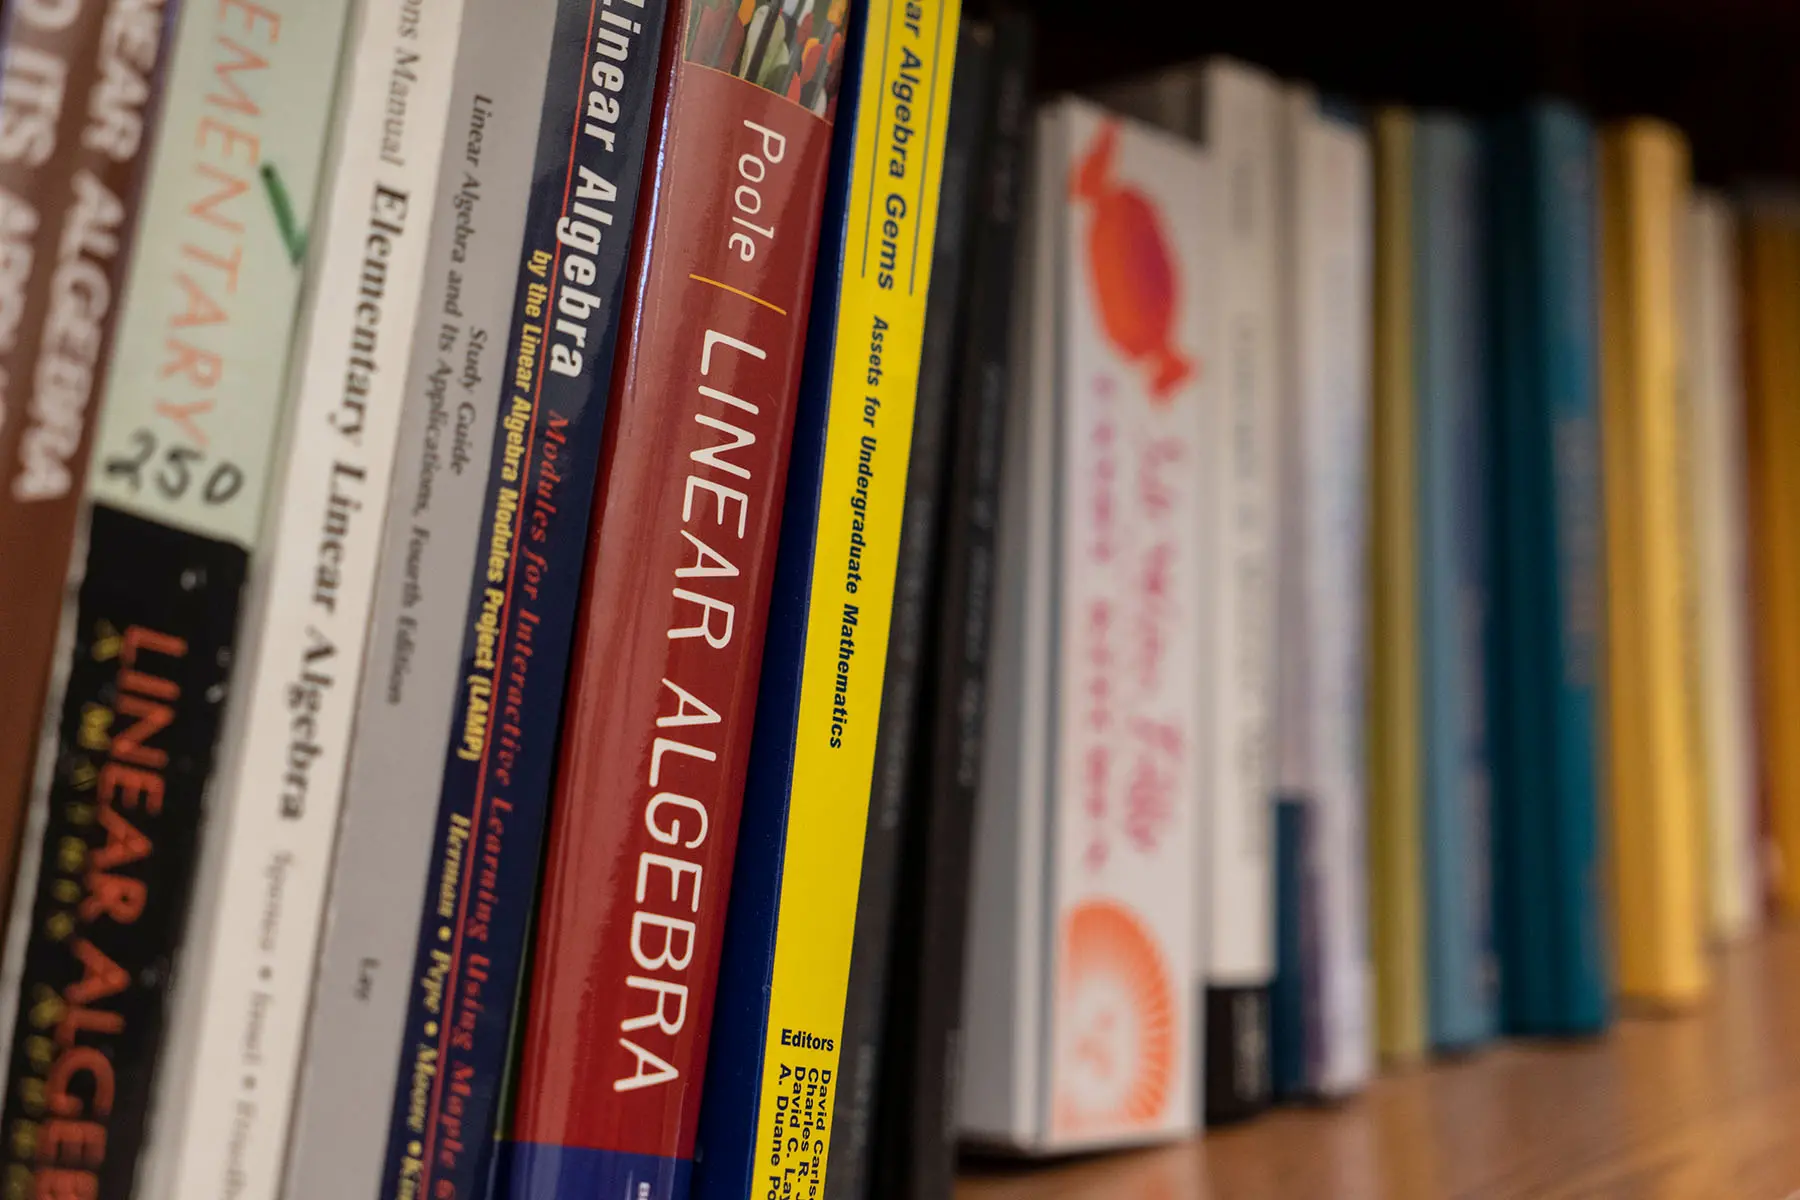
{"x": 78, "y": 88}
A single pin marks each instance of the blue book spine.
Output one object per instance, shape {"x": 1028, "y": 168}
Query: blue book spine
{"x": 1547, "y": 573}
{"x": 1569, "y": 199}
{"x": 1451, "y": 329}
{"x": 1287, "y": 992}
{"x": 524, "y": 601}
{"x": 726, "y": 1160}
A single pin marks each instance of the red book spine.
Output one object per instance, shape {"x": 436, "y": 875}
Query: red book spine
{"x": 662, "y": 698}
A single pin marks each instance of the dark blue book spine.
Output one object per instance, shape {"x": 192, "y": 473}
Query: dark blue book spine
{"x": 525, "y": 597}
{"x": 1451, "y": 332}
{"x": 1288, "y": 1052}
{"x": 1547, "y": 546}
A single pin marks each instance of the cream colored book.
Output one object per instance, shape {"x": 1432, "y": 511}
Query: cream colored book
{"x": 1715, "y": 435}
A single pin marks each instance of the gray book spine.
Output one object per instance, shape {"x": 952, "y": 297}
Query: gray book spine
{"x": 428, "y": 554}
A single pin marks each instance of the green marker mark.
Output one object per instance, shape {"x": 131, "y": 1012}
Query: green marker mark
{"x": 291, "y": 234}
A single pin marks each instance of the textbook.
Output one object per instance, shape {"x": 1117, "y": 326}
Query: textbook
{"x": 80, "y": 87}
{"x": 1082, "y": 1017}
{"x": 1396, "y": 864}
{"x": 1328, "y": 230}
{"x": 1715, "y": 431}
{"x": 924, "y": 1048}
{"x": 219, "y": 1123}
{"x": 1771, "y": 307}
{"x": 183, "y": 451}
{"x": 459, "y": 359}
{"x": 1451, "y": 351}
{"x": 471, "y": 927}
{"x": 782, "y": 1049}
{"x": 1654, "y": 754}
{"x": 668, "y": 647}
{"x": 1545, "y": 653}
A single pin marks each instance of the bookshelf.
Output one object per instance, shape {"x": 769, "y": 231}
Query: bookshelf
{"x": 1696, "y": 1105}
{"x": 1721, "y": 69}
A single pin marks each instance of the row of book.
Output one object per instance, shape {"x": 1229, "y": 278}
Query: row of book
{"x": 1398, "y": 570}
{"x": 563, "y": 558}
{"x": 495, "y": 566}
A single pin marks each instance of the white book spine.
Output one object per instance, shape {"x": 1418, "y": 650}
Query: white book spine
{"x": 221, "y": 1120}
{"x": 1124, "y": 795}
{"x": 1242, "y": 121}
{"x": 1004, "y": 982}
{"x": 1716, "y": 438}
{"x": 1336, "y": 193}
{"x": 392, "y": 787}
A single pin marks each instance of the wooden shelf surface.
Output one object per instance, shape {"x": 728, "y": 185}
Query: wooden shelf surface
{"x": 1700, "y": 1106}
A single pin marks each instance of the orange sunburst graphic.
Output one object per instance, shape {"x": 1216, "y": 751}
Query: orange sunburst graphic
{"x": 1115, "y": 1046}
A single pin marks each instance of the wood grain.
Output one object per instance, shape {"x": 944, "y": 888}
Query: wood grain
{"x": 1693, "y": 1107}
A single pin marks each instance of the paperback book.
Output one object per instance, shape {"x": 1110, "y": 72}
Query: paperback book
{"x": 182, "y": 457}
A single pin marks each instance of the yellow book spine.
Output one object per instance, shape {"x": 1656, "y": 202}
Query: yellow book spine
{"x": 906, "y": 77}
{"x": 1396, "y": 870}
{"x": 1772, "y": 445}
{"x": 1654, "y": 785}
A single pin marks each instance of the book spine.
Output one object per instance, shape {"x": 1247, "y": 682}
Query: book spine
{"x": 1583, "y": 983}
{"x": 1336, "y": 434}
{"x": 1771, "y": 307}
{"x": 1002, "y": 1002}
{"x": 79, "y": 89}
{"x": 1522, "y": 518}
{"x": 221, "y": 1122}
{"x": 894, "y": 813}
{"x": 657, "y": 726}
{"x": 493, "y": 159}
{"x": 1396, "y": 871}
{"x": 523, "y": 600}
{"x": 1127, "y": 729}
{"x": 1656, "y": 824}
{"x": 1452, "y": 583}
{"x": 1242, "y": 115}
{"x": 1717, "y": 434}
{"x": 922, "y": 1056}
{"x": 182, "y": 469}
{"x": 784, "y": 989}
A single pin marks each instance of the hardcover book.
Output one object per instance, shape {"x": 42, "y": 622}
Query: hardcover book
{"x": 182, "y": 457}
{"x": 812, "y": 846}
{"x": 1450, "y": 323}
{"x": 1715, "y": 431}
{"x": 472, "y": 924}
{"x": 219, "y": 1124}
{"x": 1544, "y": 496}
{"x": 1324, "y": 436}
{"x": 923, "y": 1051}
{"x": 79, "y": 89}
{"x": 1656, "y": 777}
{"x": 1396, "y": 863}
{"x": 1771, "y": 308}
{"x": 493, "y": 161}
{"x": 1090, "y": 1035}
{"x": 668, "y": 649}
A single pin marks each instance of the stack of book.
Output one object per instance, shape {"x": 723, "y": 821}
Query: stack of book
{"x": 626, "y": 598}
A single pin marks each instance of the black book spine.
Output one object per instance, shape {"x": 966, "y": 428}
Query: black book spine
{"x": 872, "y": 954}
{"x": 916, "y": 1146}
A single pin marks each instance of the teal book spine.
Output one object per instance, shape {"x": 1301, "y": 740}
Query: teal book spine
{"x": 1450, "y": 336}
{"x": 1546, "y": 544}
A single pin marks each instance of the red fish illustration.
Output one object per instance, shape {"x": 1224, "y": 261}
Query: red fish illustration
{"x": 1132, "y": 269}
